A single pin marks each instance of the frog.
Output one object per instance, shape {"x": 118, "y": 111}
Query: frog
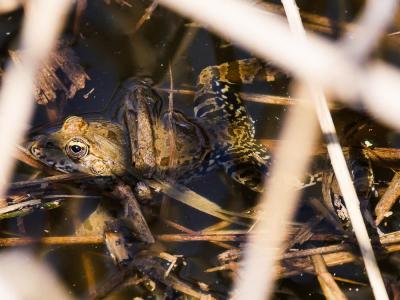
{"x": 220, "y": 134}
{"x": 363, "y": 178}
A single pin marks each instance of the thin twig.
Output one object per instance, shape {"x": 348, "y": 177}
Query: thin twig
{"x": 201, "y": 237}
{"x": 171, "y": 126}
{"x": 189, "y": 231}
{"x": 89, "y": 272}
{"x": 316, "y": 251}
{"x": 146, "y": 16}
{"x": 251, "y": 97}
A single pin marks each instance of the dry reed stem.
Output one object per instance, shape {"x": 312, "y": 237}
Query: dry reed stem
{"x": 171, "y": 126}
{"x": 23, "y": 276}
{"x": 53, "y": 240}
{"x": 369, "y": 27}
{"x": 7, "y": 6}
{"x": 41, "y": 26}
{"x": 189, "y": 231}
{"x": 202, "y": 237}
{"x": 265, "y": 244}
{"x": 316, "y": 59}
{"x": 338, "y": 160}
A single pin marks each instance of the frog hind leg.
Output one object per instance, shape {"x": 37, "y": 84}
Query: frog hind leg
{"x": 245, "y": 164}
{"x": 222, "y": 113}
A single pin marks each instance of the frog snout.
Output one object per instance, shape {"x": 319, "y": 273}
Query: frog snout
{"x": 43, "y": 141}
{"x": 39, "y": 145}
{"x": 35, "y": 149}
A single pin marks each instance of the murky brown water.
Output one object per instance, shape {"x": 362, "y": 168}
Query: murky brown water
{"x": 110, "y": 54}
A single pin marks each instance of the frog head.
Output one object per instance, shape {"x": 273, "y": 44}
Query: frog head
{"x": 96, "y": 148}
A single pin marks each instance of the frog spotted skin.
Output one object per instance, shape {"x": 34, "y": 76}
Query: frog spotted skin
{"x": 221, "y": 134}
{"x": 363, "y": 179}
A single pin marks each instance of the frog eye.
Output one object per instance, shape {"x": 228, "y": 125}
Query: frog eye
{"x": 77, "y": 148}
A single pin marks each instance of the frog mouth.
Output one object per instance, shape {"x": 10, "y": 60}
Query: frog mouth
{"x": 48, "y": 154}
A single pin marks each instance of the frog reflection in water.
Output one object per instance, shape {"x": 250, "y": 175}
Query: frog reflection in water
{"x": 221, "y": 134}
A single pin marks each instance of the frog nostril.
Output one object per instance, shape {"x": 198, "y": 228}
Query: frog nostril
{"x": 34, "y": 148}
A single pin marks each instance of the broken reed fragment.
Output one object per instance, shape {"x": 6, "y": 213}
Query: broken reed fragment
{"x": 388, "y": 199}
{"x": 119, "y": 2}
{"x": 146, "y": 16}
{"x": 298, "y": 262}
{"x": 61, "y": 75}
{"x": 328, "y": 284}
{"x": 154, "y": 273}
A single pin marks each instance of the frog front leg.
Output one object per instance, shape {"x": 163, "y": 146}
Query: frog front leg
{"x": 142, "y": 108}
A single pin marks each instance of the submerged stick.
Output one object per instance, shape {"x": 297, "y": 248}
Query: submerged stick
{"x": 53, "y": 240}
{"x": 89, "y": 272}
{"x": 328, "y": 284}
